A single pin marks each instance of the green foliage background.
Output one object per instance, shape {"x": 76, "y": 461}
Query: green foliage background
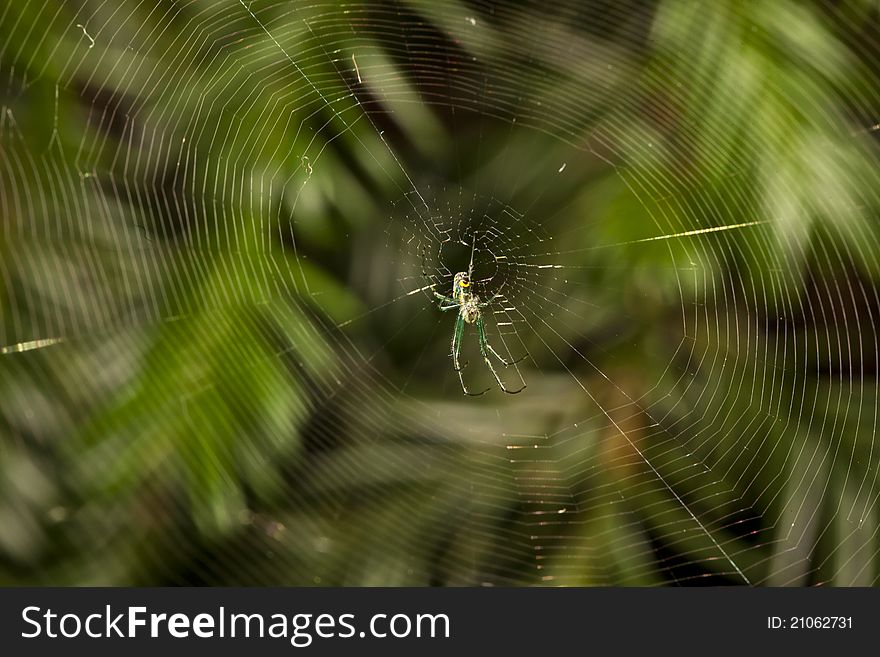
{"x": 205, "y": 221}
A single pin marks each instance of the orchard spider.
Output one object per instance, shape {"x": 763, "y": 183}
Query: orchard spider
{"x": 470, "y": 310}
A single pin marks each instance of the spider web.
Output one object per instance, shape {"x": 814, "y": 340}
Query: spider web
{"x": 224, "y": 362}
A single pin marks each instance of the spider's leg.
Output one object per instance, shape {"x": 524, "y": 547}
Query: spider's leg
{"x": 504, "y": 362}
{"x": 484, "y": 349}
{"x": 507, "y": 363}
{"x": 442, "y": 297}
{"x": 473, "y": 394}
{"x": 456, "y": 350}
{"x": 456, "y": 347}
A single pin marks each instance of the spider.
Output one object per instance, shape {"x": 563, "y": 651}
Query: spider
{"x": 470, "y": 310}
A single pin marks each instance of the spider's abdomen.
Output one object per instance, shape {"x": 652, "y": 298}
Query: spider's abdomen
{"x": 470, "y": 309}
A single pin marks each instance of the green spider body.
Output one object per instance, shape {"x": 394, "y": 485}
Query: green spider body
{"x": 468, "y": 303}
{"x": 469, "y": 309}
